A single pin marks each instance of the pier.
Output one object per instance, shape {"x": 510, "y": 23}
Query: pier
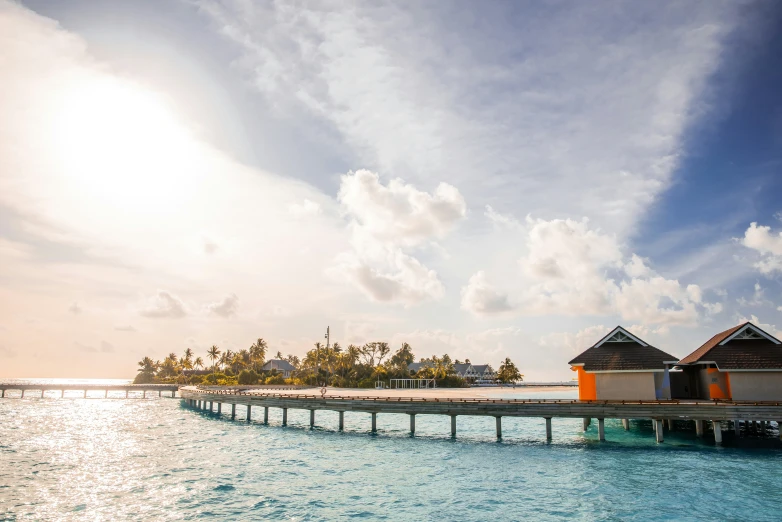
{"x": 751, "y": 414}
{"x": 135, "y": 389}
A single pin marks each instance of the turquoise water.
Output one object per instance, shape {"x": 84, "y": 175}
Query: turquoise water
{"x": 155, "y": 459}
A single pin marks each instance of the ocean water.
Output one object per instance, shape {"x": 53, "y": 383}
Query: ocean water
{"x": 156, "y": 459}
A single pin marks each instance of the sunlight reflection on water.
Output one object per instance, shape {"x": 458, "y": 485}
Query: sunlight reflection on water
{"x": 137, "y": 459}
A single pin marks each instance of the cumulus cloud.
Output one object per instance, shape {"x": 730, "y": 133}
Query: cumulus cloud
{"x": 226, "y": 307}
{"x": 387, "y": 220}
{"x": 570, "y": 268}
{"x": 768, "y": 244}
{"x": 164, "y": 305}
{"x": 758, "y": 297}
{"x": 305, "y": 208}
{"x": 481, "y": 298}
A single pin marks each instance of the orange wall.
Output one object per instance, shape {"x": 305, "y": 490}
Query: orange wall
{"x": 587, "y": 391}
{"x": 720, "y": 389}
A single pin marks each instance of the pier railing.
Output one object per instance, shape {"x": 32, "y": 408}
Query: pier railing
{"x": 715, "y": 411}
{"x": 106, "y": 388}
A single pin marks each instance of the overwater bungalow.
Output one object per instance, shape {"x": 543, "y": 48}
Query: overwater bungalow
{"x": 743, "y": 363}
{"x": 621, "y": 366}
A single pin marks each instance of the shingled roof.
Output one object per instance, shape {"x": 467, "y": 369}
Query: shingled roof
{"x": 763, "y": 352}
{"x": 622, "y": 351}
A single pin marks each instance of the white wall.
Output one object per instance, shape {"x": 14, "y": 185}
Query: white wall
{"x": 625, "y": 386}
{"x": 756, "y": 386}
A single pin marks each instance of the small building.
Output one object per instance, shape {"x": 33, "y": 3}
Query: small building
{"x": 621, "y": 366}
{"x": 484, "y": 374}
{"x": 743, "y": 363}
{"x": 282, "y": 367}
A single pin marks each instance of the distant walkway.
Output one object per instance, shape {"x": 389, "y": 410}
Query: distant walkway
{"x": 106, "y": 388}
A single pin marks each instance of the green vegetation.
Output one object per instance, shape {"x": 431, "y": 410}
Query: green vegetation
{"x": 350, "y": 367}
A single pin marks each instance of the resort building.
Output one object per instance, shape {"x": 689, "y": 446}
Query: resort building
{"x": 284, "y": 368}
{"x": 743, "y": 363}
{"x": 478, "y": 373}
{"x": 621, "y": 366}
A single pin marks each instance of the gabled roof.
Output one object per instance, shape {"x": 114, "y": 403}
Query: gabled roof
{"x": 462, "y": 368}
{"x": 480, "y": 368}
{"x": 742, "y": 347}
{"x": 278, "y": 364}
{"x": 622, "y": 351}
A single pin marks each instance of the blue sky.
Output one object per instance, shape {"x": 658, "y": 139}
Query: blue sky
{"x": 509, "y": 179}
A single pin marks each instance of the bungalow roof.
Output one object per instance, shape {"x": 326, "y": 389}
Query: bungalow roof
{"x": 743, "y": 347}
{"x": 622, "y": 351}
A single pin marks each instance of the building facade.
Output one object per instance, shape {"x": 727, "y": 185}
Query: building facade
{"x": 284, "y": 368}
{"x": 621, "y": 366}
{"x": 743, "y": 363}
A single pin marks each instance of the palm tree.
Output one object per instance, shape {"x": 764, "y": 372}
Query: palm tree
{"x": 198, "y": 363}
{"x": 189, "y": 355}
{"x": 258, "y": 353}
{"x": 147, "y": 365}
{"x": 213, "y": 353}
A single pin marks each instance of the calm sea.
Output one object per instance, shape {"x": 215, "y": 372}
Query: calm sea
{"x": 154, "y": 459}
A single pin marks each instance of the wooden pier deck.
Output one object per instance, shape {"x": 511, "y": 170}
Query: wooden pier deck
{"x": 715, "y": 412}
{"x": 106, "y": 388}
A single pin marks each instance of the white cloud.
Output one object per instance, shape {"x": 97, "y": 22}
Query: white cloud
{"x": 758, "y": 297}
{"x": 767, "y": 244}
{"x": 305, "y": 208}
{"x": 164, "y": 305}
{"x": 575, "y": 110}
{"x": 572, "y": 269}
{"x": 75, "y": 309}
{"x": 386, "y": 221}
{"x": 225, "y": 308}
{"x": 481, "y": 298}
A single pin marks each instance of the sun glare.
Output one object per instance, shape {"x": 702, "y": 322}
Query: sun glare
{"x": 121, "y": 147}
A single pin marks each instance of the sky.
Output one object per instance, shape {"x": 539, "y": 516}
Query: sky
{"x": 488, "y": 180}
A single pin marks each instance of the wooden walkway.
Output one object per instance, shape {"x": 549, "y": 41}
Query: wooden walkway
{"x": 106, "y": 388}
{"x": 657, "y": 411}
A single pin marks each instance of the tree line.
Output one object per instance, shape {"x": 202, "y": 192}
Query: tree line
{"x": 350, "y": 367}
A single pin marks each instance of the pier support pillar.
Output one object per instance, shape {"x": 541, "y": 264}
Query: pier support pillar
{"x": 266, "y": 415}
{"x": 658, "y": 430}
{"x": 233, "y": 411}
{"x": 3, "y": 395}
{"x": 285, "y": 416}
{"x": 453, "y": 425}
{"x": 601, "y": 429}
{"x": 737, "y": 427}
{"x": 779, "y": 425}
{"x": 587, "y": 422}
{"x": 22, "y": 397}
{"x": 173, "y": 393}
{"x": 670, "y": 424}
{"x": 412, "y": 423}
{"x": 160, "y": 393}
{"x": 699, "y": 428}
{"x": 499, "y": 426}
{"x": 211, "y": 406}
{"x": 85, "y": 394}
{"x": 626, "y": 424}
{"x": 126, "y": 393}
{"x": 548, "y": 428}
{"x": 717, "y": 431}
{"x": 374, "y": 422}
{"x": 341, "y": 420}
{"x": 762, "y": 427}
{"x": 249, "y": 412}
{"x": 106, "y": 393}
{"x": 312, "y": 418}
{"x": 219, "y": 408}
